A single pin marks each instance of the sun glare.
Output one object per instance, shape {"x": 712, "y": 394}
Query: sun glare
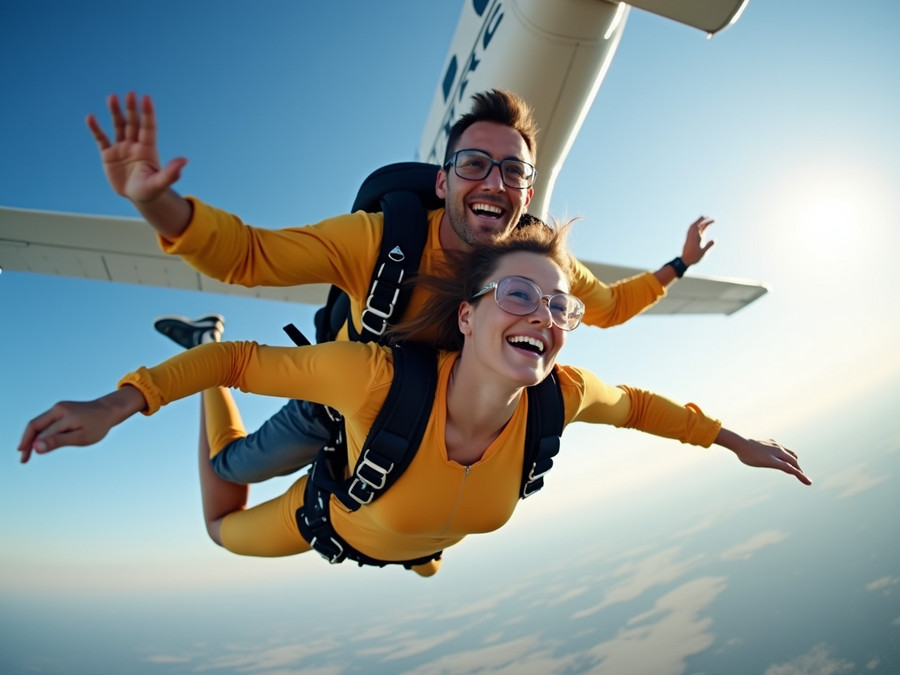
{"x": 830, "y": 212}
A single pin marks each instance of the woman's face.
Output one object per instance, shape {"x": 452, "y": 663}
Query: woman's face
{"x": 522, "y": 349}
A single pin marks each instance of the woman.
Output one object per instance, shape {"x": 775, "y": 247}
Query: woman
{"x": 509, "y": 313}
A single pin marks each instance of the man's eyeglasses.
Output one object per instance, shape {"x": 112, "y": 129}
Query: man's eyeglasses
{"x": 519, "y": 296}
{"x": 476, "y": 165}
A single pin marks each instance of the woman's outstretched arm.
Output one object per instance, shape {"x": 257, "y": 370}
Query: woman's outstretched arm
{"x": 652, "y": 413}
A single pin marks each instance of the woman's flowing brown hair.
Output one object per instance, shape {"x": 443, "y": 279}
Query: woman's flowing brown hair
{"x": 471, "y": 271}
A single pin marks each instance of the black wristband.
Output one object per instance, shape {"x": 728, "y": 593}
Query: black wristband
{"x": 678, "y": 265}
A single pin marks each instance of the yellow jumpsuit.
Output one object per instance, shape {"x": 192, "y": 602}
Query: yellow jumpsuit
{"x": 437, "y": 501}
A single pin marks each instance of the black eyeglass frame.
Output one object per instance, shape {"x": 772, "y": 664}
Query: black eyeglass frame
{"x": 490, "y": 167}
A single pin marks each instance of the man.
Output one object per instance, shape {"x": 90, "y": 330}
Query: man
{"x": 481, "y": 205}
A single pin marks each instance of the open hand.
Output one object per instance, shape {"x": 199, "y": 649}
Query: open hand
{"x": 694, "y": 247}
{"x": 770, "y": 454}
{"x": 132, "y": 163}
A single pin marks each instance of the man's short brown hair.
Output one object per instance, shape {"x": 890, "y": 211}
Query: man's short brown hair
{"x": 503, "y": 107}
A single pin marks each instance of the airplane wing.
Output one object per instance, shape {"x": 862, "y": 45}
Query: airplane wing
{"x": 125, "y": 250}
{"x": 690, "y": 295}
{"x": 113, "y": 249}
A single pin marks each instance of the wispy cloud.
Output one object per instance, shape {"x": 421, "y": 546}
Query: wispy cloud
{"x": 817, "y": 661}
{"x": 657, "y": 641}
{"x": 269, "y": 659}
{"x": 411, "y": 646}
{"x": 891, "y": 444}
{"x": 641, "y": 575}
{"x": 509, "y": 658}
{"x": 168, "y": 658}
{"x": 745, "y": 550}
{"x": 852, "y": 481}
{"x": 884, "y": 584}
{"x": 678, "y": 631}
{"x": 711, "y": 519}
{"x": 568, "y": 595}
{"x": 489, "y": 602}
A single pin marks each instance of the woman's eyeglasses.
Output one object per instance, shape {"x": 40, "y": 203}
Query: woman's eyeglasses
{"x": 520, "y": 296}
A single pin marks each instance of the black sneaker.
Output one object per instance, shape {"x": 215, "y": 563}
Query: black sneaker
{"x": 190, "y": 333}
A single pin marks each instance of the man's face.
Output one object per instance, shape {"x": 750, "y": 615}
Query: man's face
{"x": 486, "y": 210}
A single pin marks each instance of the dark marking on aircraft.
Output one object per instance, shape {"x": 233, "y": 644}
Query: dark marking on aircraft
{"x": 455, "y": 82}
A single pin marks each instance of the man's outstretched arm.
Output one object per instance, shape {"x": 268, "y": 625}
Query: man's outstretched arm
{"x": 133, "y": 168}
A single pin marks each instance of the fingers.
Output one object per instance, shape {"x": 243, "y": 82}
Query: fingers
{"x": 34, "y": 429}
{"x": 147, "y": 131}
{"x": 698, "y": 227}
{"x": 787, "y": 461}
{"x": 132, "y": 119}
{"x": 792, "y": 468}
{"x": 703, "y": 222}
{"x": 98, "y": 133}
{"x": 25, "y": 445}
{"x": 791, "y": 458}
{"x": 694, "y": 248}
{"x": 118, "y": 119}
{"x": 135, "y": 126}
{"x": 131, "y": 126}
{"x": 55, "y": 428}
{"x": 795, "y": 471}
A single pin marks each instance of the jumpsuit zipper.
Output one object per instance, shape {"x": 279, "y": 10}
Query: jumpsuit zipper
{"x": 458, "y": 500}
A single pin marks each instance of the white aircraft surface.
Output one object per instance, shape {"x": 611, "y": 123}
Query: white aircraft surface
{"x": 570, "y": 46}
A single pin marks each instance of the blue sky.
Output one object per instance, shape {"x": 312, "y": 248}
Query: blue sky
{"x": 783, "y": 128}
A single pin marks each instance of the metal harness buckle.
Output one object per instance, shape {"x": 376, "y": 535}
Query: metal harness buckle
{"x": 383, "y": 315}
{"x": 362, "y": 489}
{"x": 382, "y": 472}
{"x": 336, "y": 553}
{"x": 535, "y": 481}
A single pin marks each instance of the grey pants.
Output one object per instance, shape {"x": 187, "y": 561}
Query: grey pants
{"x": 285, "y": 443}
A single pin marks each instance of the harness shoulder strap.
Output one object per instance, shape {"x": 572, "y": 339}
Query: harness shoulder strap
{"x": 546, "y": 417}
{"x": 402, "y": 243}
{"x": 395, "y": 434}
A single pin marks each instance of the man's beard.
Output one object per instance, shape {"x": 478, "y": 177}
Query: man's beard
{"x": 460, "y": 224}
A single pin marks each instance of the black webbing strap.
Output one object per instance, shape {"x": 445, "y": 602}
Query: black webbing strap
{"x": 402, "y": 242}
{"x": 546, "y": 417}
{"x": 394, "y": 436}
{"x": 397, "y": 432}
{"x": 297, "y": 337}
{"x": 314, "y": 523}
